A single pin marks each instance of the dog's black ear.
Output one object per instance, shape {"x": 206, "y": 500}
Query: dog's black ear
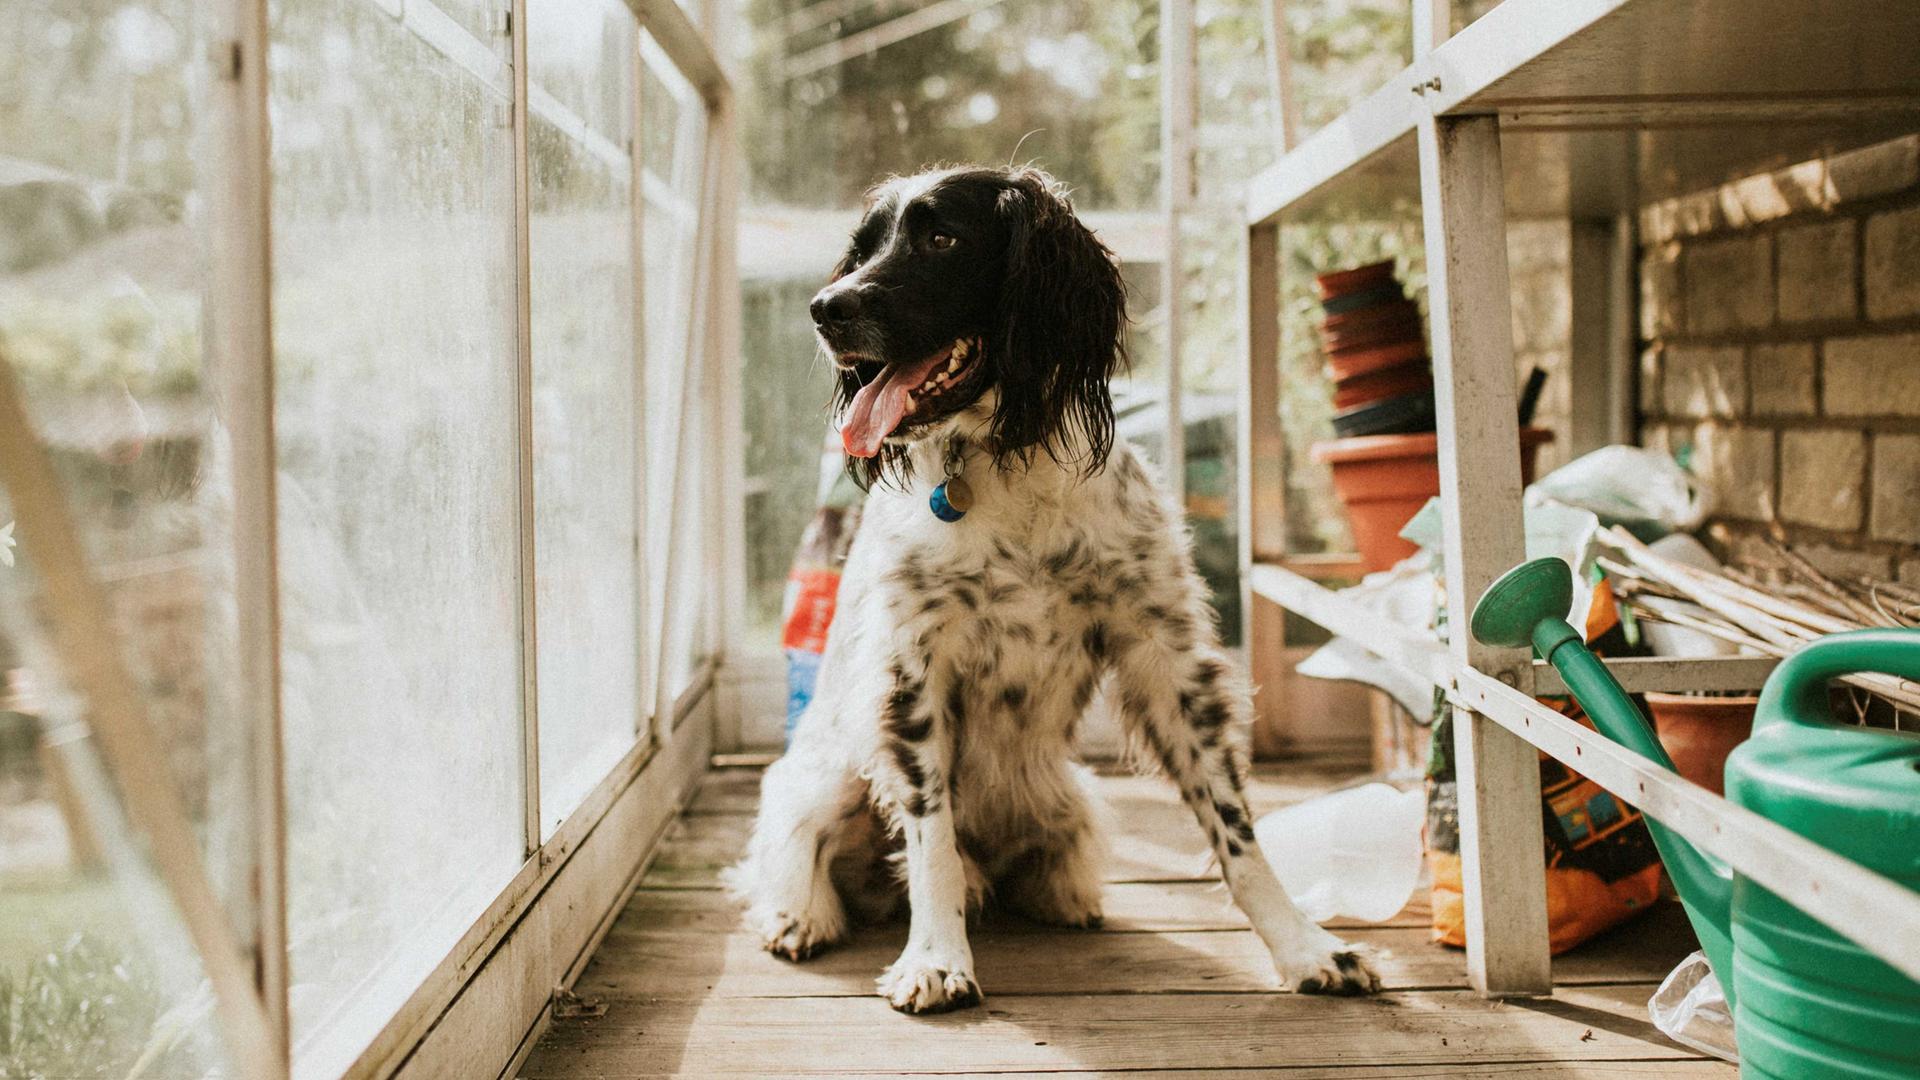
{"x": 1058, "y": 337}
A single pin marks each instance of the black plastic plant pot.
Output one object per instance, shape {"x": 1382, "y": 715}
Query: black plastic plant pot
{"x": 1390, "y": 416}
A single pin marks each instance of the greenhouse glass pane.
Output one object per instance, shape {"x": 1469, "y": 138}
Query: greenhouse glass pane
{"x": 585, "y": 439}
{"x": 103, "y": 233}
{"x": 673, "y": 143}
{"x": 399, "y": 538}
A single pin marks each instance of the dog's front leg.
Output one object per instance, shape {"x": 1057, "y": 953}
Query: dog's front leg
{"x": 1190, "y": 708}
{"x": 935, "y": 972}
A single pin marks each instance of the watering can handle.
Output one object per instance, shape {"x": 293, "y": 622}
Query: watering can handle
{"x": 1797, "y": 690}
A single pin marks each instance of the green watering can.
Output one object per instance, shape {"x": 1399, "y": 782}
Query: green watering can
{"x": 1807, "y": 1002}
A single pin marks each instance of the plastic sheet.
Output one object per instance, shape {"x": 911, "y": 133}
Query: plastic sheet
{"x": 1645, "y": 490}
{"x": 1354, "y": 852}
{"x": 1690, "y": 1009}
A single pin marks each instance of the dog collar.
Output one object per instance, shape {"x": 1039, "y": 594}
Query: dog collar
{"x": 953, "y": 496}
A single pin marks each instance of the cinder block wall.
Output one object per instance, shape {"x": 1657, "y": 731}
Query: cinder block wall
{"x": 1780, "y": 326}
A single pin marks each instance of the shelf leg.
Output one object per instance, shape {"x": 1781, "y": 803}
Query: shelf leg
{"x": 1262, "y": 481}
{"x": 1471, "y": 310}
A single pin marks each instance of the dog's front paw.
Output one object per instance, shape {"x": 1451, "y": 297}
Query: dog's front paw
{"x": 1328, "y": 965}
{"x": 793, "y": 937}
{"x": 920, "y": 986}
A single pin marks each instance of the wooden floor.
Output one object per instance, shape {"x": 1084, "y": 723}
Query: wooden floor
{"x": 1175, "y": 982}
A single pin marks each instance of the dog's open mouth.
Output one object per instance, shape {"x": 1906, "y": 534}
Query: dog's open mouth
{"x": 902, "y": 394}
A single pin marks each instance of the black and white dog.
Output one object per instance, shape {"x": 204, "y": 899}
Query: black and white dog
{"x": 975, "y": 322}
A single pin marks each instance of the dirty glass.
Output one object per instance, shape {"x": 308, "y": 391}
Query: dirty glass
{"x": 673, "y": 140}
{"x": 393, "y": 308}
{"x": 103, "y": 275}
{"x": 585, "y": 436}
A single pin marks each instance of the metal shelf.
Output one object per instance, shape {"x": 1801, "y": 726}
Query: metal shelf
{"x": 1606, "y": 105}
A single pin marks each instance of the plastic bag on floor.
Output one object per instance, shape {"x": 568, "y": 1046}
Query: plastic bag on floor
{"x": 1691, "y": 1010}
{"x": 1353, "y": 852}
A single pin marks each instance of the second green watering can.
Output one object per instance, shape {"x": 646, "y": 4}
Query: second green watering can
{"x": 1808, "y": 1003}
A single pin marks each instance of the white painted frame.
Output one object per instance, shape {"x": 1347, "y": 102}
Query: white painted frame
{"x": 481, "y": 1008}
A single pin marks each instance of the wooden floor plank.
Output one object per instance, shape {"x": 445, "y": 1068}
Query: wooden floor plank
{"x": 1155, "y": 838}
{"x": 657, "y": 963}
{"x": 1581, "y": 1070}
{"x": 1176, "y": 905}
{"x": 1174, "y": 984}
{"x": 727, "y": 791}
{"x": 854, "y": 1036}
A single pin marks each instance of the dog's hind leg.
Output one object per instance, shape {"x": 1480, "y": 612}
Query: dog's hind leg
{"x": 1058, "y": 880}
{"x": 806, "y": 807}
{"x": 1189, "y": 708}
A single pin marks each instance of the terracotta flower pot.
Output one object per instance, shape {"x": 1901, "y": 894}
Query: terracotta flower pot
{"x": 1408, "y": 378}
{"x": 1699, "y": 732}
{"x": 1388, "y": 332}
{"x": 1365, "y": 298}
{"x": 1359, "y": 279}
{"x": 1383, "y": 480}
{"x": 1352, "y": 363}
{"x": 1393, "y": 311}
{"x": 1408, "y": 414}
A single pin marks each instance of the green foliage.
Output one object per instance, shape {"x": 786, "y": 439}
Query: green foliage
{"x": 91, "y": 342}
{"x": 84, "y": 1010}
{"x": 1072, "y": 87}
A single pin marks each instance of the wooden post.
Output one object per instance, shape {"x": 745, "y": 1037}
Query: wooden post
{"x": 1499, "y": 774}
{"x": 1432, "y": 25}
{"x": 1623, "y": 329}
{"x": 251, "y": 855}
{"x": 525, "y": 513}
{"x": 1286, "y": 103}
{"x": 1589, "y": 348}
{"x": 1176, "y": 194}
{"x": 1262, "y": 477}
{"x": 645, "y": 638}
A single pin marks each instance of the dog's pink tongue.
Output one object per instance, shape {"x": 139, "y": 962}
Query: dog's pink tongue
{"x": 877, "y": 409}
{"x": 881, "y": 404}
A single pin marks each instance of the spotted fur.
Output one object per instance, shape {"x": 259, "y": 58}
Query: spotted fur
{"x": 940, "y": 739}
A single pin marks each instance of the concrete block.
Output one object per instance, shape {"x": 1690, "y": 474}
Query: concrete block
{"x": 1780, "y": 379}
{"x": 1737, "y": 464}
{"x": 1729, "y": 284}
{"x": 1896, "y": 488}
{"x": 1823, "y": 478}
{"x": 1705, "y": 381}
{"x": 1660, "y": 291}
{"x": 1817, "y": 278}
{"x": 1871, "y": 375}
{"x": 1892, "y": 263}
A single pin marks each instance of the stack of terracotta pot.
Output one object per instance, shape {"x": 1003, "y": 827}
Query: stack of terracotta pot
{"x": 1376, "y": 353}
{"x": 1386, "y": 458}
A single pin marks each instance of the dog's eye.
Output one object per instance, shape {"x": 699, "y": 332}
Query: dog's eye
{"x": 941, "y": 241}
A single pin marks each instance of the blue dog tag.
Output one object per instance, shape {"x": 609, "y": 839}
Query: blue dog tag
{"x": 951, "y": 500}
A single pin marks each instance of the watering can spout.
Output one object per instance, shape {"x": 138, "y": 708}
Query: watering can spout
{"x": 1528, "y": 605}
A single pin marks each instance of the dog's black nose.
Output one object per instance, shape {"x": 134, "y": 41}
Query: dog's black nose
{"x": 835, "y": 307}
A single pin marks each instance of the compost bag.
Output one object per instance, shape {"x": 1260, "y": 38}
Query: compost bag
{"x": 1602, "y": 868}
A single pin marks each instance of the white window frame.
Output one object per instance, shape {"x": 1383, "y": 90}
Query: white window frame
{"x": 486, "y": 1001}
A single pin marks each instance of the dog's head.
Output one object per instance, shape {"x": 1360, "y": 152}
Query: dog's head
{"x": 974, "y": 293}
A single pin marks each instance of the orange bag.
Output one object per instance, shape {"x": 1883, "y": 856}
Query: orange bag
{"x": 1602, "y": 868}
